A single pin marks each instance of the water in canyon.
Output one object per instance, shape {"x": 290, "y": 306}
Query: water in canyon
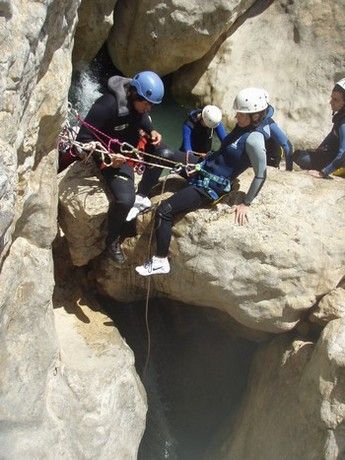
{"x": 196, "y": 376}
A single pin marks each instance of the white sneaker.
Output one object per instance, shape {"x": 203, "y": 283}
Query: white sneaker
{"x": 154, "y": 266}
{"x": 141, "y": 203}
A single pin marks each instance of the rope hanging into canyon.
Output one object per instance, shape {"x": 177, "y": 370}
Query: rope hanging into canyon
{"x": 148, "y": 291}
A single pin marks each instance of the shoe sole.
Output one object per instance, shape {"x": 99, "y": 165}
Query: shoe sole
{"x": 152, "y": 273}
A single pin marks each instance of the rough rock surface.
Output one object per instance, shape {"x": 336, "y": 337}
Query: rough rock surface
{"x": 95, "y": 20}
{"x": 144, "y": 32}
{"x": 295, "y": 404}
{"x": 265, "y": 274}
{"x": 331, "y": 306}
{"x": 293, "y": 49}
{"x": 51, "y": 406}
{"x": 95, "y": 373}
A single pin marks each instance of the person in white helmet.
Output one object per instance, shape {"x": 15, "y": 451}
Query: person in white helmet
{"x": 330, "y": 155}
{"x": 198, "y": 129}
{"x": 243, "y": 147}
{"x": 197, "y": 141}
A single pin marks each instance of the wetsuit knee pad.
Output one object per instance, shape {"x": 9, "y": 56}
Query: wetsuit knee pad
{"x": 302, "y": 158}
{"x": 164, "y": 211}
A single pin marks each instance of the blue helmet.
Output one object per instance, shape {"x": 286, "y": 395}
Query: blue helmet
{"x": 149, "y": 86}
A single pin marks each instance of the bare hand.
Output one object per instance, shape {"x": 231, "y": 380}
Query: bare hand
{"x": 241, "y": 214}
{"x": 117, "y": 160}
{"x": 315, "y": 173}
{"x": 156, "y": 137}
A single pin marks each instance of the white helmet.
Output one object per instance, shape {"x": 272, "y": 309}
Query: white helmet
{"x": 211, "y": 116}
{"x": 341, "y": 83}
{"x": 251, "y": 100}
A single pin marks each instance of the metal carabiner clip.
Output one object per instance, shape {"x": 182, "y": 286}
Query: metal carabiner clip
{"x": 126, "y": 148}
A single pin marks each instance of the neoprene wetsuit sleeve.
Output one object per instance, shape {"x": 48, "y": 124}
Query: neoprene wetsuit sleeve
{"x": 221, "y": 132}
{"x": 278, "y": 135}
{"x": 256, "y": 151}
{"x": 146, "y": 123}
{"x": 186, "y": 138}
{"x": 339, "y": 160}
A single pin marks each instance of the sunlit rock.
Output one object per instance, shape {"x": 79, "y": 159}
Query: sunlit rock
{"x": 144, "y": 32}
{"x": 292, "y": 49}
{"x": 331, "y": 306}
{"x": 292, "y": 381}
{"x": 57, "y": 399}
{"x": 95, "y": 20}
{"x": 265, "y": 274}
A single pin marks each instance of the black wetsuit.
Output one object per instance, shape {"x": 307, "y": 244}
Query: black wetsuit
{"x": 112, "y": 115}
{"x": 330, "y": 155}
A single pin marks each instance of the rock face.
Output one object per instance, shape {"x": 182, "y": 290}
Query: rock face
{"x": 144, "y": 31}
{"x": 95, "y": 20}
{"x": 265, "y": 275}
{"x": 295, "y": 404}
{"x": 51, "y": 400}
{"x": 292, "y": 49}
{"x": 331, "y": 306}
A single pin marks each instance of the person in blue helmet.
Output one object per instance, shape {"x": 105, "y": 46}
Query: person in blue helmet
{"x": 198, "y": 129}
{"x": 122, "y": 113}
{"x": 330, "y": 155}
{"x": 243, "y": 147}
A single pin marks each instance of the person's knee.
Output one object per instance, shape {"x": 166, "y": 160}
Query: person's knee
{"x": 165, "y": 152}
{"x": 302, "y": 158}
{"x": 125, "y": 202}
{"x": 164, "y": 212}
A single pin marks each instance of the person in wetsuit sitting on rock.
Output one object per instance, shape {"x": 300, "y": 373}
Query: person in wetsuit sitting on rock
{"x": 122, "y": 114}
{"x": 330, "y": 155}
{"x": 198, "y": 129}
{"x": 243, "y": 147}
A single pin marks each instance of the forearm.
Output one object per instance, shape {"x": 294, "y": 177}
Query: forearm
{"x": 186, "y": 138}
{"x": 254, "y": 188}
{"x": 339, "y": 160}
{"x": 255, "y": 148}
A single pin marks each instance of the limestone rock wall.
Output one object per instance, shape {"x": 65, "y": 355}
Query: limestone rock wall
{"x": 163, "y": 36}
{"x": 265, "y": 274}
{"x": 95, "y": 19}
{"x": 293, "y": 49}
{"x": 295, "y": 404}
{"x": 55, "y": 402}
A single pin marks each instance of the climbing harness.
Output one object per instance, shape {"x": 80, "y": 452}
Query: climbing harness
{"x": 204, "y": 180}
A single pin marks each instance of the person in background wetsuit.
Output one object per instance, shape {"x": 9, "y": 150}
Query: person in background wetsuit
{"x": 122, "y": 114}
{"x": 277, "y": 142}
{"x": 330, "y": 155}
{"x": 242, "y": 148}
{"x": 197, "y": 130}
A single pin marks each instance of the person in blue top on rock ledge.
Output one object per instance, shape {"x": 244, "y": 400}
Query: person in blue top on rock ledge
{"x": 330, "y": 155}
{"x": 242, "y": 148}
{"x": 198, "y": 129}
